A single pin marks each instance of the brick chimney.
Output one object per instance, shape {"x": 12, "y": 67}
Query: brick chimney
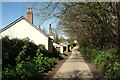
{"x": 30, "y": 15}
{"x": 50, "y": 29}
{"x": 50, "y": 32}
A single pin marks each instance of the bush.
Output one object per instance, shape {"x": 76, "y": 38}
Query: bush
{"x": 12, "y": 47}
{"x": 9, "y": 73}
{"x": 107, "y": 63}
{"x": 24, "y": 60}
{"x": 29, "y": 68}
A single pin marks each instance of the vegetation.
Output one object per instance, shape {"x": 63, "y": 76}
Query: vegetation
{"x": 23, "y": 60}
{"x": 108, "y": 64}
{"x": 92, "y": 23}
{"x": 95, "y": 25}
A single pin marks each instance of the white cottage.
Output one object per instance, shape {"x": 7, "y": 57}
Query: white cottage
{"x": 23, "y": 28}
{"x": 59, "y": 47}
{"x": 66, "y": 46}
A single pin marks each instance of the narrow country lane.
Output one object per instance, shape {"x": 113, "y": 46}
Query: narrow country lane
{"x": 74, "y": 67}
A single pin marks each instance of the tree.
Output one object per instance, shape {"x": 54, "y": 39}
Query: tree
{"x": 118, "y": 25}
{"x": 92, "y": 24}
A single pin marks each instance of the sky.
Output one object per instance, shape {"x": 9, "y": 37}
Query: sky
{"x": 13, "y": 10}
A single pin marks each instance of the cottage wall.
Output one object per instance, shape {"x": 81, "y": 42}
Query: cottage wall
{"x": 50, "y": 45}
{"x": 58, "y": 46}
{"x": 23, "y": 29}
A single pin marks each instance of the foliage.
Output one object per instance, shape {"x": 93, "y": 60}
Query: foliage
{"x": 107, "y": 63}
{"x": 43, "y": 63}
{"x": 92, "y": 23}
{"x": 28, "y": 61}
{"x": 32, "y": 68}
{"x": 12, "y": 47}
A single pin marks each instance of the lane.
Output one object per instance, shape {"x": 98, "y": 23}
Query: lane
{"x": 74, "y": 67}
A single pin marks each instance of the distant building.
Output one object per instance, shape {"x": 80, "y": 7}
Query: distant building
{"x": 24, "y": 28}
{"x": 58, "y": 47}
{"x": 66, "y": 46}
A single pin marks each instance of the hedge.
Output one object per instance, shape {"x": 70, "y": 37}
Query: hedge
{"x": 106, "y": 61}
{"x": 23, "y": 60}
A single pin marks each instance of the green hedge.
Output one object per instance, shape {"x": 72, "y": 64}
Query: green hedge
{"x": 105, "y": 60}
{"x": 23, "y": 60}
{"x": 29, "y": 69}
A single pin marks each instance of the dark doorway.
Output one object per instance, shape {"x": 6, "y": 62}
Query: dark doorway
{"x": 74, "y": 44}
{"x": 64, "y": 49}
{"x": 68, "y": 48}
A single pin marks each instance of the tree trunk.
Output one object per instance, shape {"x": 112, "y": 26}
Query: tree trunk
{"x": 118, "y": 24}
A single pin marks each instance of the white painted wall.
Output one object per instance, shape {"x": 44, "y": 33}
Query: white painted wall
{"x": 23, "y": 29}
{"x": 57, "y": 45}
{"x": 52, "y": 37}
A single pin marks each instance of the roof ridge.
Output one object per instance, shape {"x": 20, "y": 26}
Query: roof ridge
{"x": 14, "y": 22}
{"x": 19, "y": 19}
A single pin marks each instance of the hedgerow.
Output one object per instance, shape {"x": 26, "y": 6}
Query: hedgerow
{"x": 23, "y": 60}
{"x": 107, "y": 62}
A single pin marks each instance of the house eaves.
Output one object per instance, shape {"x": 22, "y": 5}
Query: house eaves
{"x": 18, "y": 20}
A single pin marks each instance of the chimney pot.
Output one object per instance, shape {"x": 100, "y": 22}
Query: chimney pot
{"x": 50, "y": 29}
{"x": 30, "y": 15}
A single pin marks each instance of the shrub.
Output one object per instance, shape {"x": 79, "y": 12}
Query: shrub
{"x": 9, "y": 73}
{"x": 12, "y": 47}
{"x": 31, "y": 68}
{"x": 23, "y": 60}
{"x": 106, "y": 62}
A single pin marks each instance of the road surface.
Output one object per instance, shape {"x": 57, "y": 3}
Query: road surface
{"x": 74, "y": 67}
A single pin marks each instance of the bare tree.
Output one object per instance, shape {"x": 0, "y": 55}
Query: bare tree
{"x": 92, "y": 24}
